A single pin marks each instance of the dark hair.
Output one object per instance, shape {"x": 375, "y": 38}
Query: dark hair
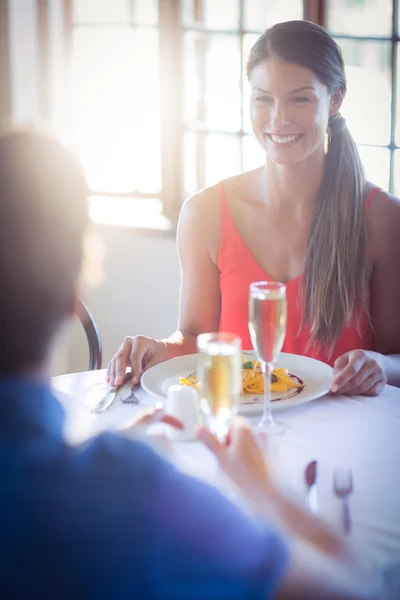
{"x": 335, "y": 274}
{"x": 43, "y": 208}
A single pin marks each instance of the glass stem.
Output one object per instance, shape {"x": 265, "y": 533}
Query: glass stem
{"x": 266, "y": 369}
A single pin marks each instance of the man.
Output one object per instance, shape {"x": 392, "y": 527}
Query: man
{"x": 111, "y": 518}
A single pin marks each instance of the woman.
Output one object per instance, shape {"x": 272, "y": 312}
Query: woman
{"x": 307, "y": 218}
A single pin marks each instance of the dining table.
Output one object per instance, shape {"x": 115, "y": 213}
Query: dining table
{"x": 353, "y": 432}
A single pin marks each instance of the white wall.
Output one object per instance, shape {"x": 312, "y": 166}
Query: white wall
{"x": 139, "y": 293}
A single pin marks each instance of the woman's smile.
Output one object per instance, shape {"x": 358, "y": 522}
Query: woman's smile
{"x": 288, "y": 139}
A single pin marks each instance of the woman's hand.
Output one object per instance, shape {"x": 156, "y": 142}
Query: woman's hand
{"x": 242, "y": 459}
{"x": 139, "y": 353}
{"x": 359, "y": 372}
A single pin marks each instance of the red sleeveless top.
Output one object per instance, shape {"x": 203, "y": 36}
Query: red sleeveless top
{"x": 238, "y": 269}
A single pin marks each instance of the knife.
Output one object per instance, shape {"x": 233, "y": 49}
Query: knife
{"x": 310, "y": 476}
{"x": 106, "y": 401}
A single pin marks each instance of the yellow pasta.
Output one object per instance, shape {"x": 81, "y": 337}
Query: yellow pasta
{"x": 253, "y": 380}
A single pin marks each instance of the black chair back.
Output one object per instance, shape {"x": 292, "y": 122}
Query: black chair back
{"x": 92, "y": 334}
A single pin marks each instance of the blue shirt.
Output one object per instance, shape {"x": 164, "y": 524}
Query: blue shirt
{"x": 112, "y": 519}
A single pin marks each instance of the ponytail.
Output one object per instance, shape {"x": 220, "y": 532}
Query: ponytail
{"x": 335, "y": 275}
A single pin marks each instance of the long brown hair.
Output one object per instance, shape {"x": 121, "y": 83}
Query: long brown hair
{"x": 336, "y": 265}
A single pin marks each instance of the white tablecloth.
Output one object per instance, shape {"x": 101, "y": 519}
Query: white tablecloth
{"x": 356, "y": 432}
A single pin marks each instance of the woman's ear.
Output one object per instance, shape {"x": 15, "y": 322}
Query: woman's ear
{"x": 336, "y": 101}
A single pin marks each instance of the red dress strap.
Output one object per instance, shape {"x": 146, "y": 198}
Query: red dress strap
{"x": 228, "y": 232}
{"x": 222, "y": 200}
{"x": 371, "y": 197}
{"x": 223, "y": 203}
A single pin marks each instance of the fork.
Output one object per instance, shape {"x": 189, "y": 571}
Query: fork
{"x": 343, "y": 487}
{"x": 131, "y": 398}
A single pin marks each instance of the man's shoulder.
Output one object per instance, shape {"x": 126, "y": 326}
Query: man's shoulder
{"x": 103, "y": 487}
{"x": 113, "y": 455}
{"x": 91, "y": 480}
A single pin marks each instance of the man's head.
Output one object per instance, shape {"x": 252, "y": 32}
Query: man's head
{"x": 43, "y": 216}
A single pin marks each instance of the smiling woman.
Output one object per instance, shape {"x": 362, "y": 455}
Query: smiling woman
{"x": 308, "y": 218}
{"x": 290, "y": 123}
{"x": 298, "y": 108}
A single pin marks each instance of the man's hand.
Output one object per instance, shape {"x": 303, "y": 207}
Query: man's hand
{"x": 155, "y": 414}
{"x": 242, "y": 458}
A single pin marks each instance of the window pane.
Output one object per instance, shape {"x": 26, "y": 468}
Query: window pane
{"x": 192, "y": 44}
{"x": 368, "y": 99}
{"x": 397, "y": 173}
{"x": 213, "y": 14}
{"x": 145, "y": 12}
{"x": 249, "y": 39}
{"x": 376, "y": 163}
{"x": 360, "y": 17}
{"x": 223, "y": 14}
{"x": 214, "y": 59}
{"x": 253, "y": 155}
{"x": 223, "y": 82}
{"x": 115, "y": 107}
{"x": 259, "y": 14}
{"x": 188, "y": 16}
{"x": 101, "y": 11}
{"x": 222, "y": 157}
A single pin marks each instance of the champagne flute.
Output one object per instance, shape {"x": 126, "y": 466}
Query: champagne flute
{"x": 220, "y": 376}
{"x": 267, "y": 326}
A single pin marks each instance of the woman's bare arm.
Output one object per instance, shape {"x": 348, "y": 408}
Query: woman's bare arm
{"x": 200, "y": 298}
{"x": 198, "y": 242}
{"x": 383, "y": 221}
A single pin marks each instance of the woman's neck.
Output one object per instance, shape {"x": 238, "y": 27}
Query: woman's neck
{"x": 296, "y": 184}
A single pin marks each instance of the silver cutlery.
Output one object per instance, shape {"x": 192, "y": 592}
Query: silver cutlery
{"x": 111, "y": 393}
{"x": 343, "y": 487}
{"x": 131, "y": 398}
{"x": 310, "y": 476}
{"x": 106, "y": 401}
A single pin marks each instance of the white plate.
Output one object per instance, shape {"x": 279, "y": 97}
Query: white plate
{"x": 316, "y": 376}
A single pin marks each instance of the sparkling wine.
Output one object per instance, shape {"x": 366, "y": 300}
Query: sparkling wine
{"x": 220, "y": 378}
{"x": 267, "y": 324}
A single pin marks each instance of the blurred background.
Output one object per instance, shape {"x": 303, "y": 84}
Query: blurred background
{"x": 152, "y": 95}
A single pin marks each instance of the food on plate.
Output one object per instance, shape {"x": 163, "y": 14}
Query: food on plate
{"x": 253, "y": 380}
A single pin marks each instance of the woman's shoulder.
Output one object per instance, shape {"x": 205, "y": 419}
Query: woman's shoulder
{"x": 206, "y": 202}
{"x": 199, "y": 221}
{"x": 243, "y": 185}
{"x": 383, "y": 219}
{"x": 201, "y": 201}
{"x": 373, "y": 189}
{"x": 380, "y": 204}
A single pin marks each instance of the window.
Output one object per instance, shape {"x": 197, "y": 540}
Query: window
{"x": 160, "y": 99}
{"x": 115, "y": 104}
{"x": 367, "y": 31}
{"x": 137, "y": 67}
{"x": 217, "y": 37}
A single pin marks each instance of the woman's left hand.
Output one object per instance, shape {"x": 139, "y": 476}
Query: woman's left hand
{"x": 359, "y": 372}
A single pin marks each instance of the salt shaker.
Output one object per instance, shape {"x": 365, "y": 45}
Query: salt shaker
{"x": 182, "y": 403}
